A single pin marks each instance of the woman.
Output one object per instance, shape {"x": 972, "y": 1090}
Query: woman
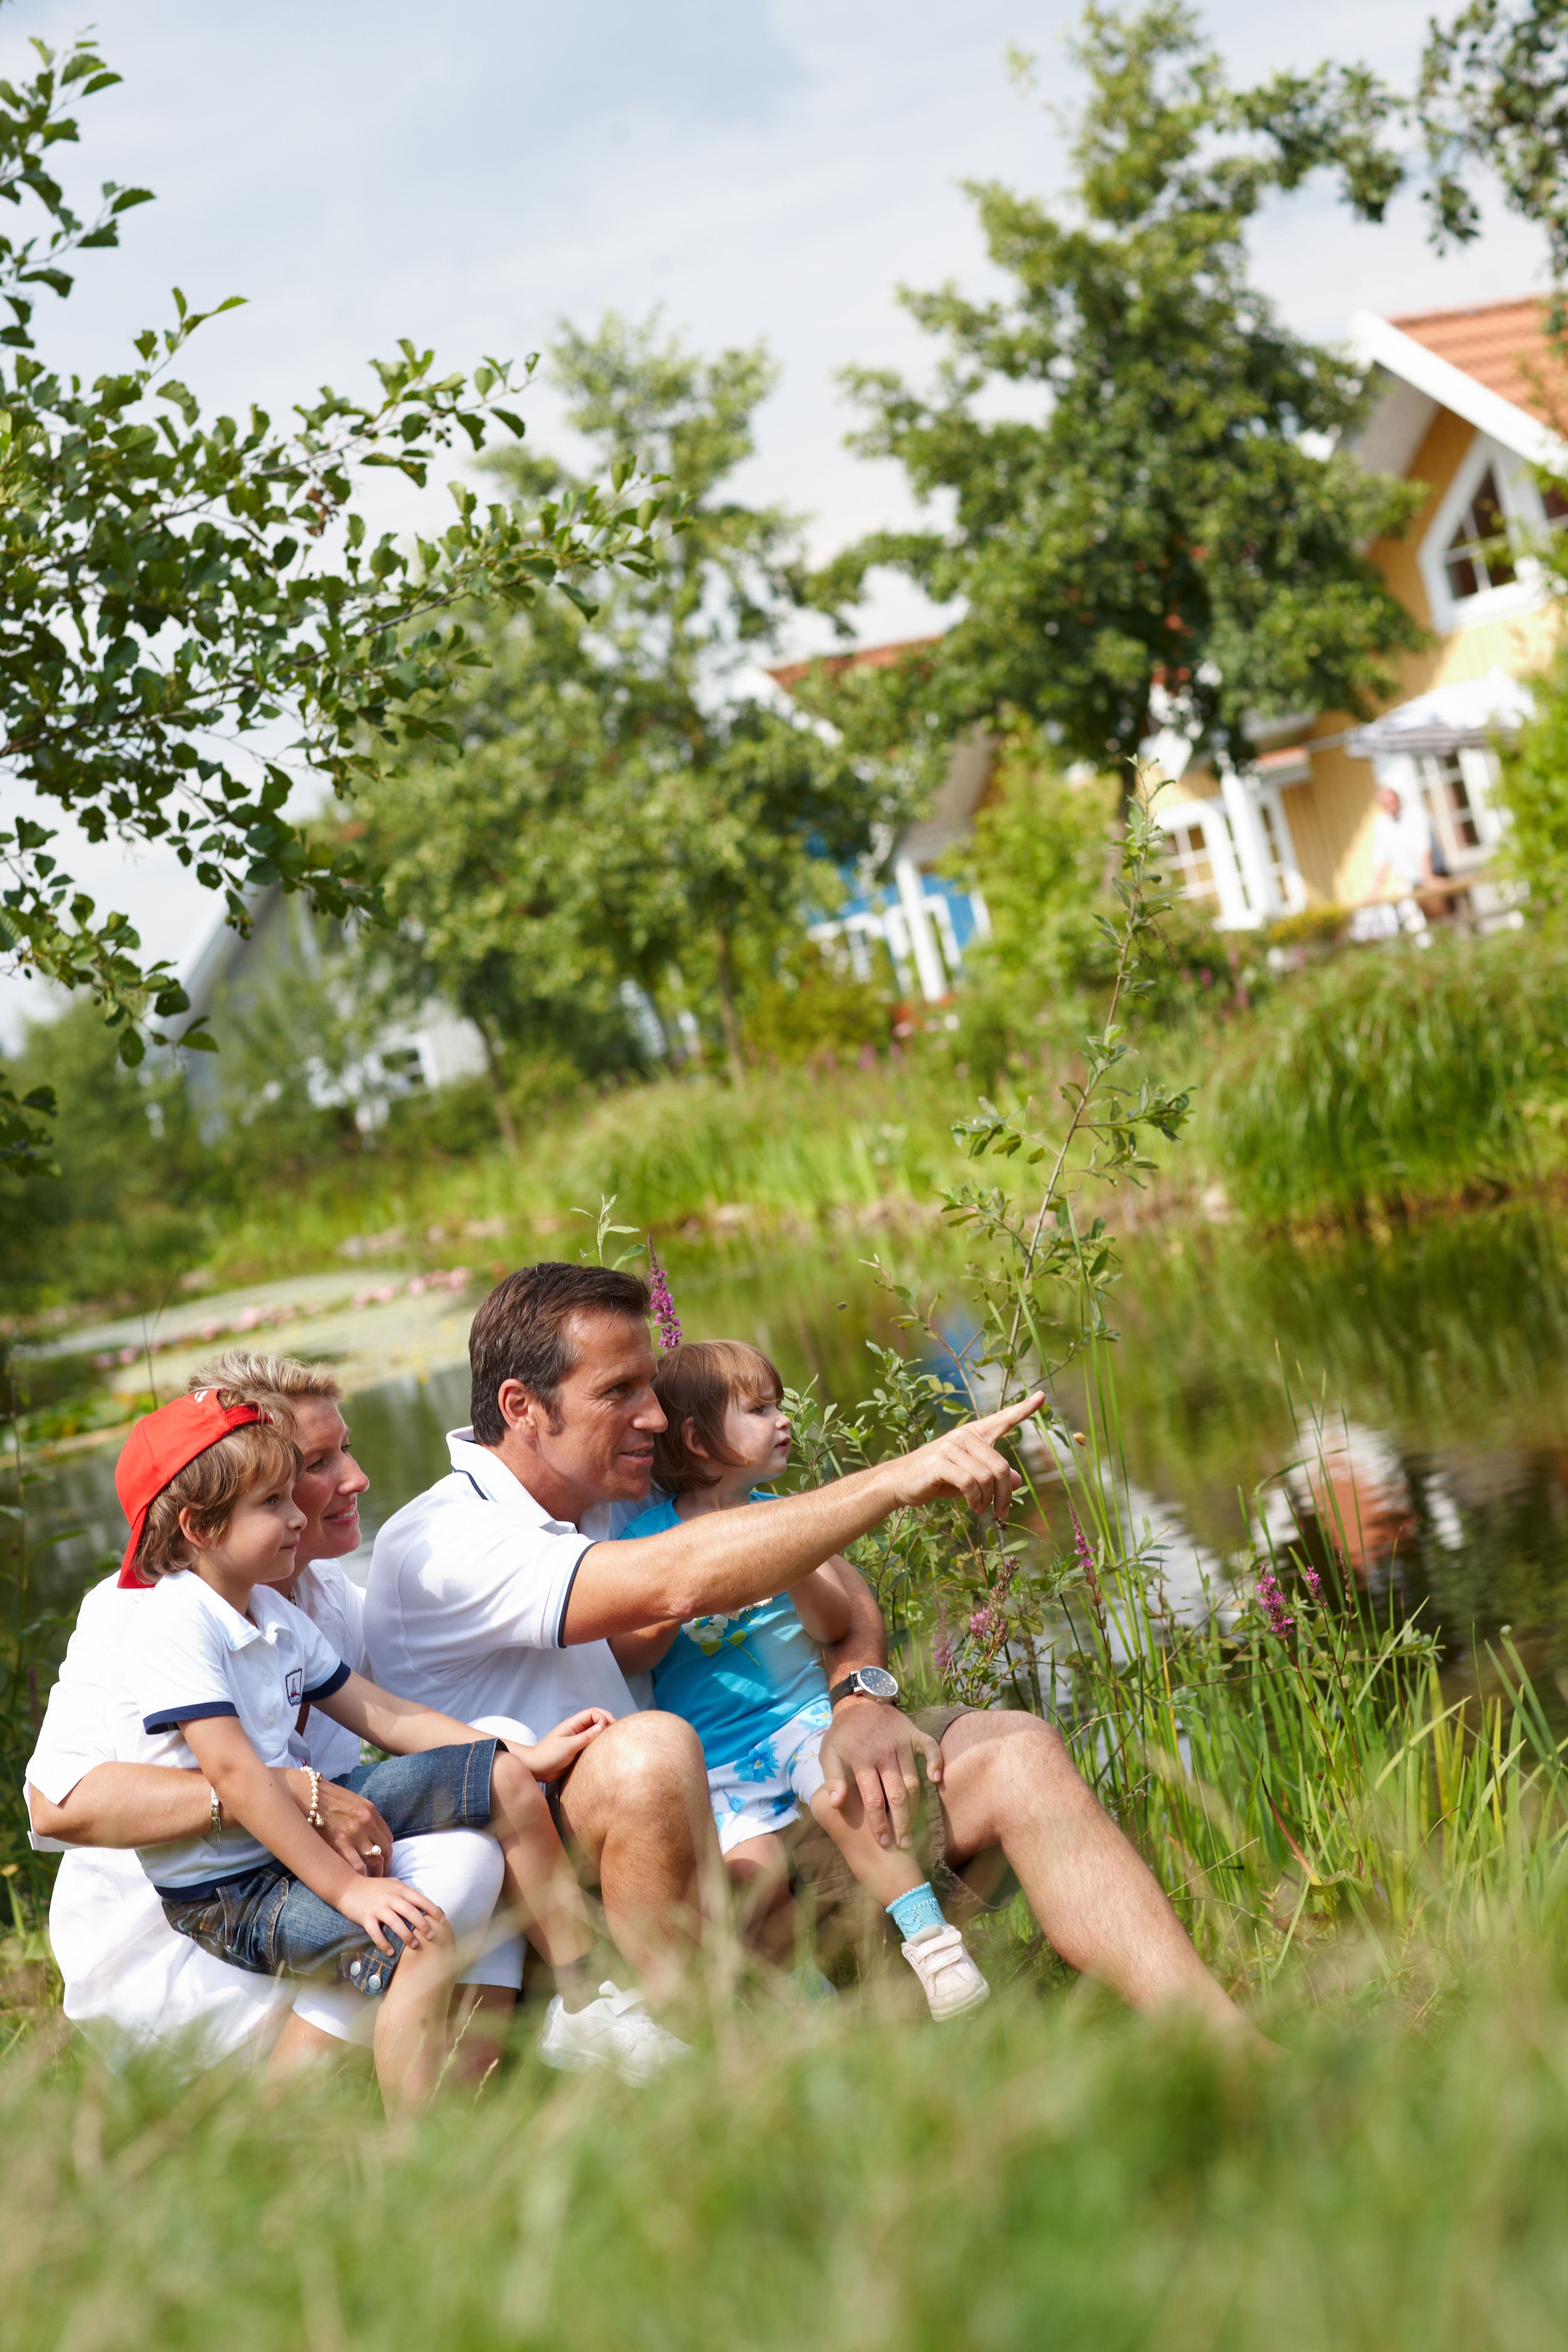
{"x": 131, "y": 1983}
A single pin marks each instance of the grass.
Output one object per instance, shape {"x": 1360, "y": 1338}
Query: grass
{"x": 1396, "y": 1077}
{"x": 1389, "y": 1079}
{"x": 1039, "y": 2175}
{"x": 1385, "y": 1080}
{"x": 785, "y": 1152}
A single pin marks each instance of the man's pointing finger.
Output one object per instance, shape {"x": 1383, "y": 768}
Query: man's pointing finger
{"x": 997, "y": 1425}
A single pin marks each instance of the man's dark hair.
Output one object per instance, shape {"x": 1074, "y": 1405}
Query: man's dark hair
{"x": 519, "y": 1332}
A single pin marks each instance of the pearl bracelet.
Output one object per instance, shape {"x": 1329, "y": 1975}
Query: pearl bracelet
{"x": 315, "y": 1815}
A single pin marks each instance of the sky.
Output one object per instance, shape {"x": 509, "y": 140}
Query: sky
{"x": 472, "y": 175}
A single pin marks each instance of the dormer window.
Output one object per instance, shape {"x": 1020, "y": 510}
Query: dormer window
{"x": 1477, "y": 556}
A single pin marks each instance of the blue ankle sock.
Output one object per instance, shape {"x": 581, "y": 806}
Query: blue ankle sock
{"x": 916, "y": 1909}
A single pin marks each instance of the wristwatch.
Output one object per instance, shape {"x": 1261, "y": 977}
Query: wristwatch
{"x": 865, "y": 1682}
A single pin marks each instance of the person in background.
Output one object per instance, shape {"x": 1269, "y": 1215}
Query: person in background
{"x": 751, "y": 1685}
{"x": 1401, "y": 864}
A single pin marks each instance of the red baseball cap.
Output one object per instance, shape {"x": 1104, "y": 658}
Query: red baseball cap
{"x": 161, "y": 1445}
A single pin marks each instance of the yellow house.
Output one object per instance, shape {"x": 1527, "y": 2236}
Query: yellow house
{"x": 1461, "y": 404}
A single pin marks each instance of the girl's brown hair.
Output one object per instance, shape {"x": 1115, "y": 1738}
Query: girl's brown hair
{"x": 698, "y": 1383}
{"x": 249, "y": 1460}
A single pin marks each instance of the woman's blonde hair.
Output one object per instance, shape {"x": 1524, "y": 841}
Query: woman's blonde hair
{"x": 698, "y": 1383}
{"x": 257, "y": 1455}
{"x": 251, "y": 1376}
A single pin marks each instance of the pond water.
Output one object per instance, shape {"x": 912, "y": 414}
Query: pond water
{"x": 1411, "y": 1390}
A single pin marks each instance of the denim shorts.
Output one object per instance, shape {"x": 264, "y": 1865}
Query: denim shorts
{"x": 267, "y": 1921}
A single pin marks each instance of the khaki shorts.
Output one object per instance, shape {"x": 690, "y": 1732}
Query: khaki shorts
{"x": 843, "y": 1918}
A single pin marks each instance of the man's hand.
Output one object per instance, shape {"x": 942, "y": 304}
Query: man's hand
{"x": 349, "y": 1824}
{"x": 965, "y": 1463}
{"x": 873, "y": 1745}
{"x": 390, "y": 1904}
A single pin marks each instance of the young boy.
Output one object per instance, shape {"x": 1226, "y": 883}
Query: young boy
{"x": 223, "y": 1665}
{"x": 751, "y": 1685}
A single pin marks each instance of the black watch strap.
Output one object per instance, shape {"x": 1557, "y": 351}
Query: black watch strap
{"x": 853, "y": 1685}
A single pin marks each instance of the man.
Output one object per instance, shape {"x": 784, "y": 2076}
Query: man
{"x": 1401, "y": 864}
{"x": 494, "y": 1594}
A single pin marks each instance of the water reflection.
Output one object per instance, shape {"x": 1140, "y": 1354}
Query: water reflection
{"x": 1403, "y": 1398}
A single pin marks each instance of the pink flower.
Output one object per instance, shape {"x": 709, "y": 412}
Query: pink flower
{"x": 1083, "y": 1552}
{"x": 1273, "y": 1603}
{"x": 985, "y": 1622}
{"x": 661, "y": 1303}
{"x": 1314, "y": 1582}
{"x": 942, "y": 1642}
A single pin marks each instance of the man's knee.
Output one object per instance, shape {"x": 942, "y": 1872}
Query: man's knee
{"x": 650, "y": 1760}
{"x": 1006, "y": 1739}
{"x": 1001, "y": 1767}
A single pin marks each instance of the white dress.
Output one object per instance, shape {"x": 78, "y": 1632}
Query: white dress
{"x": 131, "y": 1984}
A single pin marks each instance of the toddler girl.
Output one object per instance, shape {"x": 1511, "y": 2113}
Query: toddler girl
{"x": 751, "y": 1685}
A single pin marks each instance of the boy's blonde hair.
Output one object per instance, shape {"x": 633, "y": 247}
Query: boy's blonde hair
{"x": 698, "y": 1383}
{"x": 258, "y": 1455}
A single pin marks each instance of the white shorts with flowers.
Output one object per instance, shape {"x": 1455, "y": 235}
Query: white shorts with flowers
{"x": 765, "y": 1787}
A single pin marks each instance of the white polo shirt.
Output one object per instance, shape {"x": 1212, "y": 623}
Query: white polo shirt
{"x": 131, "y": 1983}
{"x": 467, "y": 1602}
{"x": 197, "y": 1657}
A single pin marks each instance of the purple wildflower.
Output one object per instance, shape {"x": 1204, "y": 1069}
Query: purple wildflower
{"x": 661, "y": 1303}
{"x": 984, "y": 1623}
{"x": 1273, "y": 1603}
{"x": 1083, "y": 1552}
{"x": 942, "y": 1642}
{"x": 1314, "y": 1582}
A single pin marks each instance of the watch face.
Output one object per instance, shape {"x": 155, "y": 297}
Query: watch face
{"x": 876, "y": 1683}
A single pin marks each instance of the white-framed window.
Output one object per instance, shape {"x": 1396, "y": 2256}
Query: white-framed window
{"x": 1479, "y": 555}
{"x": 1190, "y": 854}
{"x": 1200, "y": 857}
{"x": 1457, "y": 789}
{"x": 1279, "y": 854}
{"x": 1473, "y": 560}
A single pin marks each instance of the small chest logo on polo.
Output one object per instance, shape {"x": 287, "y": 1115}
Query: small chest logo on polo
{"x": 294, "y": 1685}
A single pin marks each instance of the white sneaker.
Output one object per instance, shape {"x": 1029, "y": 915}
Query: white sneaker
{"x": 948, "y": 1978}
{"x": 613, "y": 2030}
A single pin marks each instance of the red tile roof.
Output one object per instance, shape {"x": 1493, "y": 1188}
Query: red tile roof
{"x": 1503, "y": 346}
{"x": 789, "y": 674}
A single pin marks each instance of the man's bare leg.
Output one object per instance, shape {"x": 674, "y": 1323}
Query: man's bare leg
{"x": 635, "y": 1807}
{"x": 1008, "y": 1781}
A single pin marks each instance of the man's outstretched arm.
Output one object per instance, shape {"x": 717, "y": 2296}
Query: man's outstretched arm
{"x": 726, "y": 1560}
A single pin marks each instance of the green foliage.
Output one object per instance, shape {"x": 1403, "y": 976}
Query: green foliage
{"x": 1153, "y": 537}
{"x": 1393, "y": 1076}
{"x": 129, "y": 1169}
{"x": 1490, "y": 102}
{"x": 167, "y": 585}
{"x": 810, "y": 1007}
{"x": 1534, "y": 790}
{"x": 608, "y": 809}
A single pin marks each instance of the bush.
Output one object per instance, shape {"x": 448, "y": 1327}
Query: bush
{"x": 812, "y": 1008}
{"x": 1394, "y": 1075}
